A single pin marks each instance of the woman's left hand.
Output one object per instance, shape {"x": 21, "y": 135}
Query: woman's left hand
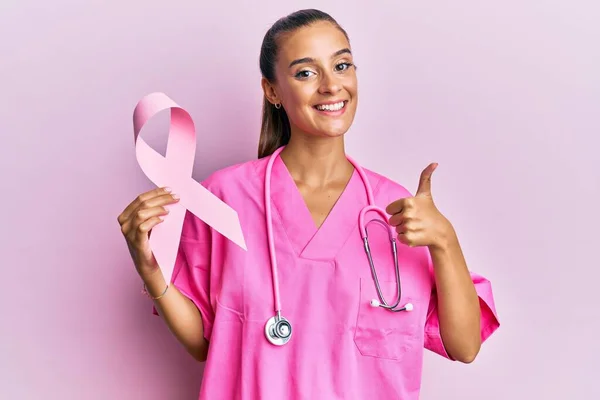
{"x": 417, "y": 219}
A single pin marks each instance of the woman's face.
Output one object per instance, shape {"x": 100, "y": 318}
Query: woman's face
{"x": 316, "y": 80}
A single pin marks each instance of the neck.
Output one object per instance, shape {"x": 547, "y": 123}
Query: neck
{"x": 316, "y": 161}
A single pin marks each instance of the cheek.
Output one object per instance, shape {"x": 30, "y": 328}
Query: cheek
{"x": 352, "y": 86}
{"x": 298, "y": 104}
{"x": 299, "y": 95}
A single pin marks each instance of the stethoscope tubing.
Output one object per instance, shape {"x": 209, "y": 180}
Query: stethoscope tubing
{"x": 278, "y": 323}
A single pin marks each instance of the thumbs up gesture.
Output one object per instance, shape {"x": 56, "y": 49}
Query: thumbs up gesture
{"x": 417, "y": 220}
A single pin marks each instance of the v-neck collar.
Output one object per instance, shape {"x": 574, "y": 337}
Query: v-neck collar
{"x": 307, "y": 240}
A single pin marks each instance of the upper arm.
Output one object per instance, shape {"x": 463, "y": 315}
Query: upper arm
{"x": 192, "y": 273}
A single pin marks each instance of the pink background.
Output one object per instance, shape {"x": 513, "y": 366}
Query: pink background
{"x": 504, "y": 95}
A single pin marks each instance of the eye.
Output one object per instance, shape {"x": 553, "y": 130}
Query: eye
{"x": 343, "y": 66}
{"x": 304, "y": 74}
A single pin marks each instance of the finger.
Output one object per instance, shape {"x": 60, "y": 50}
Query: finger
{"x": 143, "y": 197}
{"x": 403, "y": 238}
{"x": 145, "y": 227}
{"x": 408, "y": 226}
{"x": 140, "y": 199}
{"x": 401, "y": 229}
{"x": 142, "y": 236}
{"x": 142, "y": 215}
{"x": 401, "y": 206}
{"x": 397, "y": 206}
{"x": 409, "y": 238}
{"x": 425, "y": 179}
{"x": 158, "y": 201}
{"x": 396, "y": 219}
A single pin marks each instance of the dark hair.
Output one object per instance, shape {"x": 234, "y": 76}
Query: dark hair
{"x": 275, "y": 127}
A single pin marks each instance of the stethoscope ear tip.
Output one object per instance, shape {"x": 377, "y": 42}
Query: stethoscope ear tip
{"x": 375, "y": 303}
{"x": 408, "y": 307}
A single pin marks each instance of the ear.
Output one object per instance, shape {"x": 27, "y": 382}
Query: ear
{"x": 270, "y": 91}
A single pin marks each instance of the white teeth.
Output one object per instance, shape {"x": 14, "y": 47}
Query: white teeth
{"x": 331, "y": 107}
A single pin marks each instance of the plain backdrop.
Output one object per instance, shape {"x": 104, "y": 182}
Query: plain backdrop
{"x": 505, "y": 96}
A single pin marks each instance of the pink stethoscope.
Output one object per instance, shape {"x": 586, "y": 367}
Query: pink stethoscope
{"x": 278, "y": 329}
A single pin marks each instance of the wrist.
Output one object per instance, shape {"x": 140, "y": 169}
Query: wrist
{"x": 148, "y": 270}
{"x": 445, "y": 240}
{"x": 154, "y": 283}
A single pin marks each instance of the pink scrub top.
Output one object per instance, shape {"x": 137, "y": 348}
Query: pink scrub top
{"x": 341, "y": 347}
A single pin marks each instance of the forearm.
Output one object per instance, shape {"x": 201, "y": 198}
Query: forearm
{"x": 458, "y": 302}
{"x": 180, "y": 314}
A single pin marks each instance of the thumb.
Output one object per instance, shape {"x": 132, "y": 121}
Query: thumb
{"x": 425, "y": 180}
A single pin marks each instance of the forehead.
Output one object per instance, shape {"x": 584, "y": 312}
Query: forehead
{"x": 319, "y": 40}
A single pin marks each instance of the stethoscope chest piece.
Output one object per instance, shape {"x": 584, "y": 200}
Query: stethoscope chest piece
{"x": 278, "y": 330}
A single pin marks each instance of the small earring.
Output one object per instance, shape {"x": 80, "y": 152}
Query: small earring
{"x": 278, "y": 105}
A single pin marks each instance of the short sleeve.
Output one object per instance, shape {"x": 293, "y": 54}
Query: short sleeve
{"x": 191, "y": 272}
{"x": 489, "y": 318}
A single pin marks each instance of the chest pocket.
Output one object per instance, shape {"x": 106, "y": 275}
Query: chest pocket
{"x": 384, "y": 334}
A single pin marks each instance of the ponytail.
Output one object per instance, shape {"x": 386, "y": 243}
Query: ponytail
{"x": 275, "y": 129}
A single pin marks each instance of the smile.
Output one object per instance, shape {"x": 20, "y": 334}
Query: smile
{"x": 331, "y": 107}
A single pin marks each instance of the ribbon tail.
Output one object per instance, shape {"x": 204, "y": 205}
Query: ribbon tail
{"x": 214, "y": 212}
{"x": 165, "y": 238}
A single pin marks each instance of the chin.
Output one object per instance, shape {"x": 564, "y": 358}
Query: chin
{"x": 330, "y": 126}
{"x": 336, "y": 132}
{"x": 334, "y": 127}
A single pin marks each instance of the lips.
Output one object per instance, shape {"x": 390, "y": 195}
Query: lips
{"x": 331, "y": 107}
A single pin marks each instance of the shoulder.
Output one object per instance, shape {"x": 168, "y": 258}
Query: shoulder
{"x": 386, "y": 189}
{"x": 234, "y": 178}
{"x": 233, "y": 185}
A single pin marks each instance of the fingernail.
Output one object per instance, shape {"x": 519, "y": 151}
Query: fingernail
{"x": 168, "y": 189}
{"x": 175, "y": 196}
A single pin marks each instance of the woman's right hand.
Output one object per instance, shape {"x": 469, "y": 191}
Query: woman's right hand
{"x": 137, "y": 221}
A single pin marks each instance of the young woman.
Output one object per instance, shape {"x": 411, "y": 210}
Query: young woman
{"x": 300, "y": 314}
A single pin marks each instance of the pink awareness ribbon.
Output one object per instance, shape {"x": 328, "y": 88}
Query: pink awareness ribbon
{"x": 175, "y": 171}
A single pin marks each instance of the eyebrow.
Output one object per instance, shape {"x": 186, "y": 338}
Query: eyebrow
{"x": 310, "y": 59}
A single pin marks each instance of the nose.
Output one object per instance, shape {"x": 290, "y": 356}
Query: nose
{"x": 330, "y": 84}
